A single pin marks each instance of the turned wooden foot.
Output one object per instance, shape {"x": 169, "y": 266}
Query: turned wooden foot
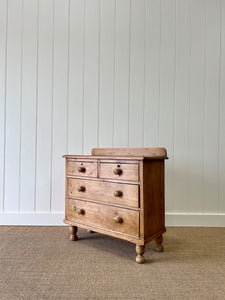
{"x": 140, "y": 259}
{"x": 73, "y": 231}
{"x": 158, "y": 244}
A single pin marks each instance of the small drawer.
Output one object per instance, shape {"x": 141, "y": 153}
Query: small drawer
{"x": 107, "y": 192}
{"x": 106, "y": 217}
{"x": 128, "y": 172}
{"x": 80, "y": 168}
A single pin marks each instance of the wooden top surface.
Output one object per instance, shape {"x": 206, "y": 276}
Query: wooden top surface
{"x": 97, "y": 157}
{"x": 143, "y": 152}
{"x": 123, "y": 154}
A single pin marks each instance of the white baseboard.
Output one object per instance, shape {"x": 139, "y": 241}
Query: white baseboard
{"x": 56, "y": 219}
{"x": 195, "y": 220}
{"x": 32, "y": 219}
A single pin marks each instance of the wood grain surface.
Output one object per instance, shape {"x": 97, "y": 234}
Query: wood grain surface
{"x": 103, "y": 191}
{"x": 90, "y": 168}
{"x": 103, "y": 216}
{"x": 146, "y": 152}
{"x": 128, "y": 171}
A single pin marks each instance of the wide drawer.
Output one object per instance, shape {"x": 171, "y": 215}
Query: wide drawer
{"x": 119, "y": 171}
{"x": 106, "y": 217}
{"x": 80, "y": 168}
{"x": 108, "y": 192}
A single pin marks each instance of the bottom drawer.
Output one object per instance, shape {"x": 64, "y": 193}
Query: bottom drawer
{"x": 107, "y": 217}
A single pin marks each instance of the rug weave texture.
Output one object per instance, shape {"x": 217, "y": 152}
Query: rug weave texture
{"x": 41, "y": 263}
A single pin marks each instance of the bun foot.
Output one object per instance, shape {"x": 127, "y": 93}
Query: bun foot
{"x": 158, "y": 244}
{"x": 73, "y": 231}
{"x": 140, "y": 259}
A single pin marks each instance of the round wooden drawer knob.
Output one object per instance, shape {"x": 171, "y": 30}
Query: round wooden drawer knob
{"x": 117, "y": 171}
{"x": 118, "y": 219}
{"x": 81, "y": 169}
{"x": 118, "y": 194}
{"x": 81, "y": 211}
{"x": 81, "y": 188}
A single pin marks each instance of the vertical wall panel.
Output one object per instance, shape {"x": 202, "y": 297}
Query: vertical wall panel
{"x": 167, "y": 92}
{"x": 182, "y": 105}
{"x": 122, "y": 71}
{"x": 76, "y": 70}
{"x": 13, "y": 106}
{"x": 3, "y": 43}
{"x": 197, "y": 100}
{"x": 91, "y": 75}
{"x": 44, "y": 105}
{"x": 79, "y": 74}
{"x": 211, "y": 141}
{"x": 60, "y": 97}
{"x": 106, "y": 76}
{"x": 152, "y": 73}
{"x": 28, "y": 109}
{"x": 137, "y": 72}
{"x": 222, "y": 112}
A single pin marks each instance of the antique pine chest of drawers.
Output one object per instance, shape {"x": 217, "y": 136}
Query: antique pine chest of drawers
{"x": 118, "y": 192}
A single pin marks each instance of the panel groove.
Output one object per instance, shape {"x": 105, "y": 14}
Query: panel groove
{"x": 21, "y": 105}
{"x": 68, "y": 81}
{"x": 189, "y": 100}
{"x": 174, "y": 101}
{"x": 219, "y": 110}
{"x": 114, "y": 70}
{"x": 36, "y": 115}
{"x": 53, "y": 61}
{"x": 222, "y": 109}
{"x": 189, "y": 104}
{"x": 99, "y": 62}
{"x": 5, "y": 97}
{"x": 84, "y": 30}
{"x": 204, "y": 110}
{"x": 160, "y": 66}
{"x": 144, "y": 76}
{"x": 128, "y": 103}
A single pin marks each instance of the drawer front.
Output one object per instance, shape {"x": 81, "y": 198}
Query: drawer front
{"x": 128, "y": 172}
{"x": 108, "y": 192}
{"x": 106, "y": 217}
{"x": 80, "y": 168}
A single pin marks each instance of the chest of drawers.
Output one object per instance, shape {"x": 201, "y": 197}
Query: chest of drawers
{"x": 118, "y": 192}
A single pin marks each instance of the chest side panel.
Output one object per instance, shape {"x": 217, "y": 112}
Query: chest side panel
{"x": 153, "y": 197}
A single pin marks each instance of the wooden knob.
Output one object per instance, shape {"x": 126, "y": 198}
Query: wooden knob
{"x": 81, "y": 188}
{"x": 118, "y": 194}
{"x": 81, "y": 169}
{"x": 81, "y": 211}
{"x": 118, "y": 219}
{"x": 117, "y": 171}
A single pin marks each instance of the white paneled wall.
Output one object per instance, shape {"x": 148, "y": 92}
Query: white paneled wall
{"x": 78, "y": 74}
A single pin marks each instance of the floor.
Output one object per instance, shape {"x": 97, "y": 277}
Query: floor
{"x": 41, "y": 263}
